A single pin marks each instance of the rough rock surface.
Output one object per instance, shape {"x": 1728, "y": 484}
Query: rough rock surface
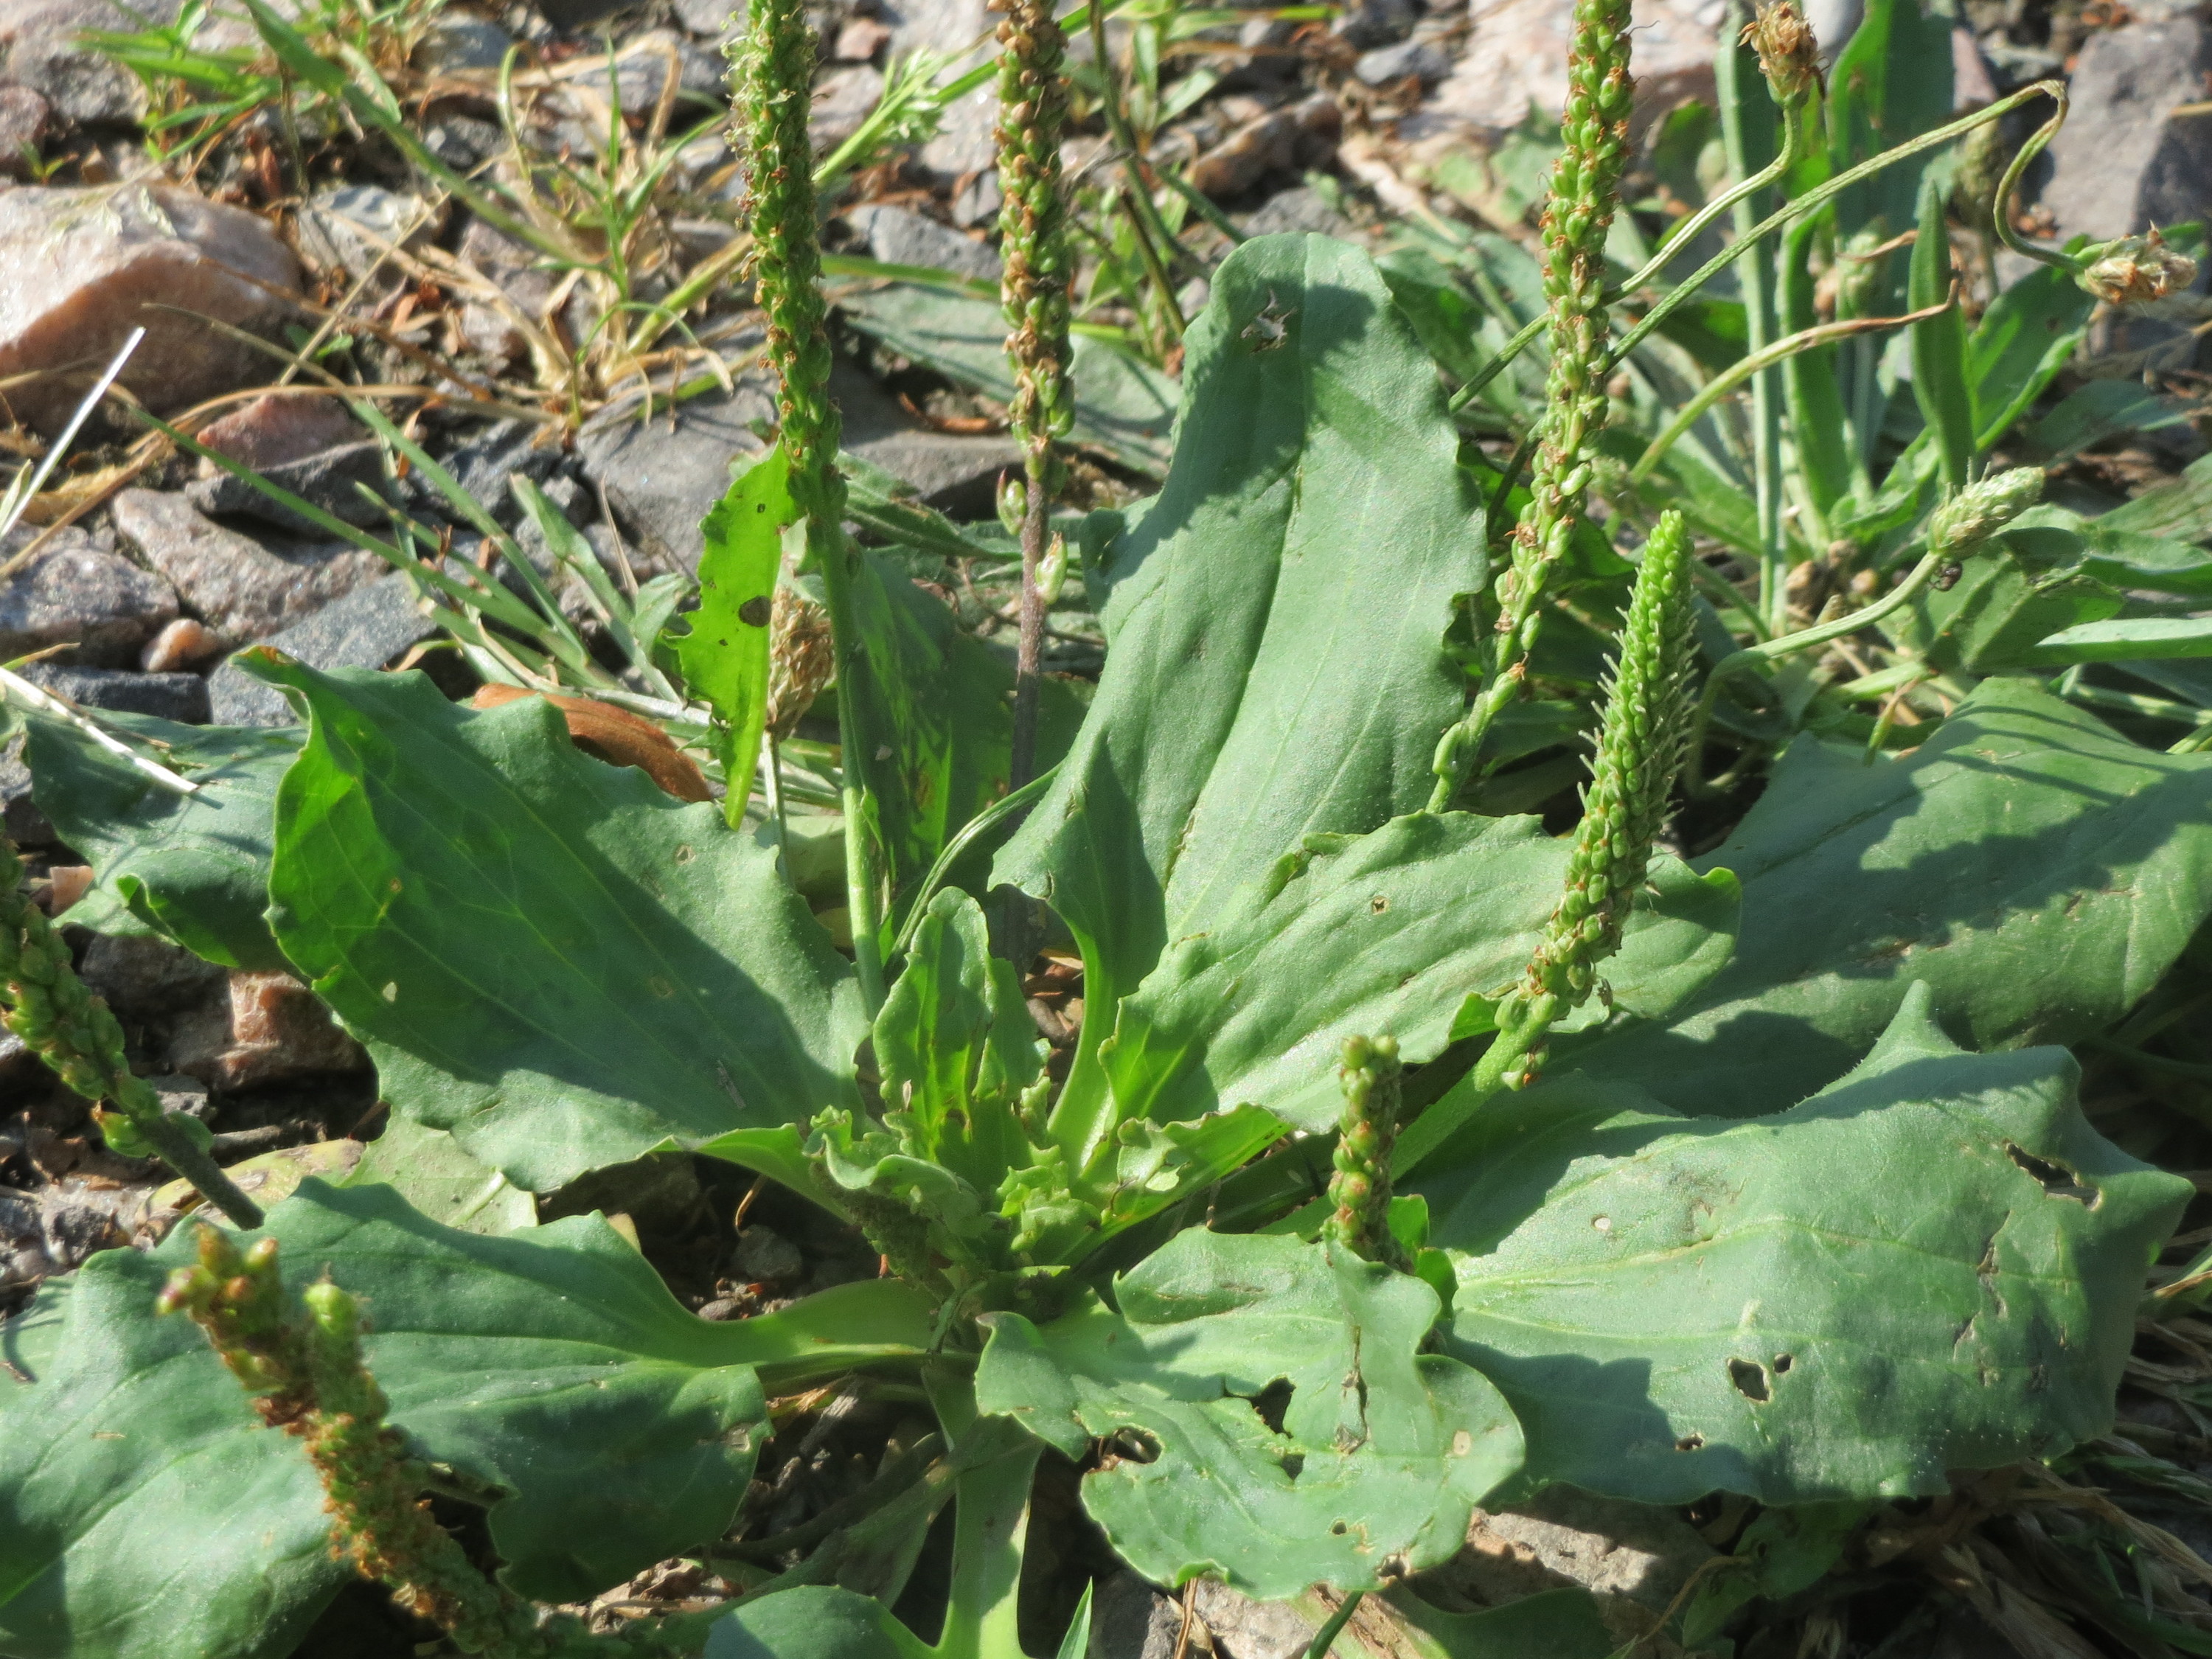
{"x": 239, "y": 587}
{"x": 366, "y": 629}
{"x": 39, "y": 51}
{"x": 2121, "y": 163}
{"x": 267, "y": 1028}
{"x": 80, "y": 269}
{"x": 899, "y": 236}
{"x": 167, "y": 696}
{"x": 1516, "y": 55}
{"x": 74, "y": 593}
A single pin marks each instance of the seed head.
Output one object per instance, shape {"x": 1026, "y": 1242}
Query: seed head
{"x": 1977, "y": 512}
{"x": 2136, "y": 269}
{"x": 1789, "y": 56}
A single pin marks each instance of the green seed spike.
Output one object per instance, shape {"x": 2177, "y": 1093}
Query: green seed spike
{"x": 1360, "y": 1189}
{"x": 45, "y": 1003}
{"x": 307, "y": 1376}
{"x": 1639, "y": 749}
{"x": 1033, "y": 245}
{"x": 772, "y": 77}
{"x": 1584, "y": 193}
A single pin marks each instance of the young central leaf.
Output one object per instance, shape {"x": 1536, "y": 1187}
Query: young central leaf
{"x": 724, "y": 656}
{"x": 1268, "y": 1416}
{"x": 545, "y": 955}
{"x": 1277, "y": 614}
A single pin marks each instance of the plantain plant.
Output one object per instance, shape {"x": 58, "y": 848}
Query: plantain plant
{"x": 1407, "y": 1157}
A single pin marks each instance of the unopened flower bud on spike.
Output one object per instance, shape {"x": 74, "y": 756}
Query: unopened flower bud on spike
{"x": 2136, "y": 268}
{"x": 1360, "y": 1189}
{"x": 1977, "y": 512}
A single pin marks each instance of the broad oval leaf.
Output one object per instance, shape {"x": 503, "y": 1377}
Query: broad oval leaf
{"x": 194, "y": 867}
{"x": 1932, "y": 1265}
{"x": 2034, "y": 867}
{"x": 1382, "y": 1452}
{"x": 1257, "y": 691}
{"x": 1414, "y": 922}
{"x": 145, "y": 1512}
{"x": 546, "y": 956}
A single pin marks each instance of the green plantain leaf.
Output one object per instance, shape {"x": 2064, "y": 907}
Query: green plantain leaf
{"x": 2040, "y": 871}
{"x": 956, "y": 1047}
{"x": 145, "y": 1511}
{"x": 192, "y": 867}
{"x": 1932, "y": 1265}
{"x": 546, "y": 956}
{"x": 1558, "y": 1623}
{"x": 1412, "y": 919}
{"x": 1382, "y": 1453}
{"x": 813, "y": 1621}
{"x": 427, "y": 1167}
{"x": 725, "y": 655}
{"x": 2006, "y": 599}
{"x": 938, "y": 714}
{"x": 1277, "y": 618}
{"x": 2126, "y": 639}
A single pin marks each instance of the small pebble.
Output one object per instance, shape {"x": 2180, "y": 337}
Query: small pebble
{"x": 178, "y": 646}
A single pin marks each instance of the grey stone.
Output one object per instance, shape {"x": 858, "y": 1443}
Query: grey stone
{"x": 351, "y": 227}
{"x": 1617, "y": 1550}
{"x": 1516, "y": 55}
{"x": 21, "y": 820}
{"x": 1244, "y": 1629}
{"x": 40, "y": 49}
{"x": 167, "y": 696}
{"x": 1426, "y": 61}
{"x": 457, "y": 41}
{"x": 72, "y": 593}
{"x": 765, "y": 1256}
{"x": 842, "y": 99}
{"x": 243, "y": 589}
{"x": 2119, "y": 164}
{"x": 1130, "y": 1620}
{"x": 977, "y": 202}
{"x": 461, "y": 141}
{"x": 571, "y": 16}
{"x": 142, "y": 976}
{"x": 949, "y": 470}
{"x": 661, "y": 475}
{"x": 484, "y": 466}
{"x": 964, "y": 145}
{"x": 1301, "y": 209}
{"x": 332, "y": 480}
{"x": 366, "y": 629}
{"x": 80, "y": 269}
{"x": 1375, "y": 22}
{"x": 899, "y": 236}
{"x": 716, "y": 18}
{"x": 24, "y": 116}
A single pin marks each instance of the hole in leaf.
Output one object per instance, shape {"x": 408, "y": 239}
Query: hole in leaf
{"x": 1782, "y": 1362}
{"x": 1134, "y": 1446}
{"x": 1272, "y": 1402}
{"x": 1690, "y": 1442}
{"x": 1294, "y": 1464}
{"x": 1750, "y": 1380}
{"x": 1378, "y": 904}
{"x": 2057, "y": 1179}
{"x": 1339, "y": 1529}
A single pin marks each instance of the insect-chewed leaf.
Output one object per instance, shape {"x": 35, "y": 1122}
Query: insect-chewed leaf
{"x": 545, "y": 954}
{"x": 1382, "y": 1450}
{"x": 145, "y": 1512}
{"x": 725, "y": 655}
{"x": 1409, "y": 920}
{"x": 2037, "y": 869}
{"x": 1932, "y": 1265}
{"x": 196, "y": 867}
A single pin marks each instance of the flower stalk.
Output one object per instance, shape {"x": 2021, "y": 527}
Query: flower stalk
{"x": 44, "y": 1003}
{"x": 1585, "y": 191}
{"x": 306, "y": 1377}
{"x": 1642, "y": 738}
{"x": 772, "y": 78}
{"x": 1033, "y": 101}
